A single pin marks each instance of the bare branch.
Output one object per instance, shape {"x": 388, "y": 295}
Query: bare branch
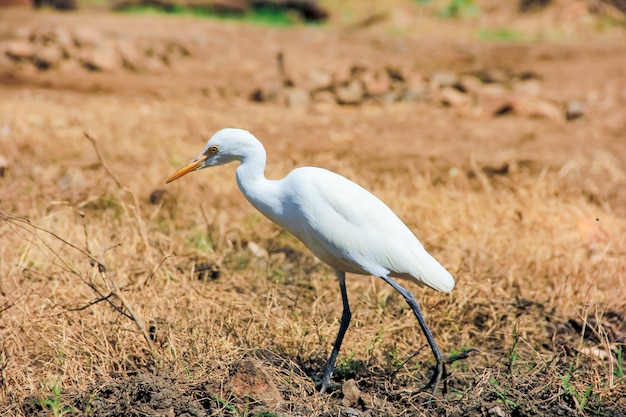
{"x": 137, "y": 210}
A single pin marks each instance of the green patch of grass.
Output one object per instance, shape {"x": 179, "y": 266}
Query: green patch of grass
{"x": 348, "y": 368}
{"x": 619, "y": 369}
{"x": 572, "y": 395}
{"x": 501, "y": 35}
{"x": 270, "y": 16}
{"x": 459, "y": 8}
{"x": 453, "y": 8}
{"x": 393, "y": 357}
{"x": 201, "y": 241}
{"x": 53, "y": 402}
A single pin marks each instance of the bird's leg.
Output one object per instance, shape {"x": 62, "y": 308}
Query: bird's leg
{"x": 345, "y": 322}
{"x": 412, "y": 302}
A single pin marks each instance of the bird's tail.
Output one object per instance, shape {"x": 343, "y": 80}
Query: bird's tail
{"x": 433, "y": 274}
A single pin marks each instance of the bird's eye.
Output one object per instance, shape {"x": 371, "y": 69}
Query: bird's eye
{"x": 213, "y": 149}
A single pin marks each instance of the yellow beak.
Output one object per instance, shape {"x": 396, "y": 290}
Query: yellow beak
{"x": 192, "y": 166}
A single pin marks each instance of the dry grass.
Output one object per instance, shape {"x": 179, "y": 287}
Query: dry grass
{"x": 514, "y": 244}
{"x": 536, "y": 253}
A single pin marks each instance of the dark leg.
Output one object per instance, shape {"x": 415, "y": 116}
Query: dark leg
{"x": 345, "y": 322}
{"x": 412, "y": 302}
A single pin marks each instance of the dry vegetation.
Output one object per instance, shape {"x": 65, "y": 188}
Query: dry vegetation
{"x": 120, "y": 296}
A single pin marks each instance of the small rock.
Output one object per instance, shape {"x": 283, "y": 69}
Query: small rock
{"x": 63, "y": 38}
{"x": 443, "y": 79}
{"x": 257, "y": 250}
{"x": 470, "y": 83}
{"x": 492, "y": 102}
{"x": 19, "y": 50}
{"x": 325, "y": 97}
{"x": 376, "y": 84}
{"x": 318, "y": 80}
{"x": 350, "y": 94}
{"x": 159, "y": 196}
{"x": 342, "y": 76}
{"x": 496, "y": 411}
{"x": 416, "y": 83}
{"x": 454, "y": 98}
{"x": 130, "y": 55}
{"x": 535, "y": 107}
{"x": 69, "y": 66}
{"x": 268, "y": 92}
{"x": 47, "y": 57}
{"x": 4, "y": 164}
{"x": 154, "y": 65}
{"x": 250, "y": 380}
{"x": 23, "y": 32}
{"x": 351, "y": 393}
{"x": 574, "y": 110}
{"x": 495, "y": 76}
{"x": 86, "y": 37}
{"x": 530, "y": 88}
{"x": 297, "y": 97}
{"x": 103, "y": 58}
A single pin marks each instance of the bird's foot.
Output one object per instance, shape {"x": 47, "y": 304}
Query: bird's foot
{"x": 459, "y": 356}
{"x": 324, "y": 384}
{"x": 440, "y": 373}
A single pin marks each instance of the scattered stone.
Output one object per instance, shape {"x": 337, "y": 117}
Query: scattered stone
{"x": 351, "y": 393}
{"x": 470, "y": 84}
{"x": 454, "y": 98}
{"x": 493, "y": 100}
{"x": 64, "y": 39}
{"x": 376, "y": 83}
{"x": 496, "y": 411}
{"x": 324, "y": 97}
{"x": 268, "y": 92}
{"x": 574, "y": 110}
{"x": 87, "y": 37}
{"x": 530, "y": 88}
{"x": 443, "y": 79}
{"x": 416, "y": 83}
{"x": 318, "y": 81}
{"x": 350, "y": 94}
{"x": 19, "y": 50}
{"x": 103, "y": 58}
{"x": 4, "y": 164}
{"x": 131, "y": 57}
{"x": 297, "y": 97}
{"x": 535, "y": 107}
{"x": 47, "y": 57}
{"x": 159, "y": 196}
{"x": 249, "y": 379}
{"x": 50, "y": 47}
{"x": 257, "y": 250}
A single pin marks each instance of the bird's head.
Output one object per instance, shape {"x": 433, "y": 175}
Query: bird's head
{"x": 227, "y": 145}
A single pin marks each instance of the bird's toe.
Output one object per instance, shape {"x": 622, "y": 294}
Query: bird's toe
{"x": 460, "y": 356}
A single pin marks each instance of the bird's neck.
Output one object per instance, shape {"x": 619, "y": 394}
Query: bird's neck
{"x": 262, "y": 193}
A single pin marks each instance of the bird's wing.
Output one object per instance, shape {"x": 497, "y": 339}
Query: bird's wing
{"x": 352, "y": 230}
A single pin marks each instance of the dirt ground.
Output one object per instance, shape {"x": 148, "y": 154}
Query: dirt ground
{"x": 120, "y": 296}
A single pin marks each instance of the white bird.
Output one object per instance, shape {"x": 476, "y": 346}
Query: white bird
{"x": 342, "y": 223}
